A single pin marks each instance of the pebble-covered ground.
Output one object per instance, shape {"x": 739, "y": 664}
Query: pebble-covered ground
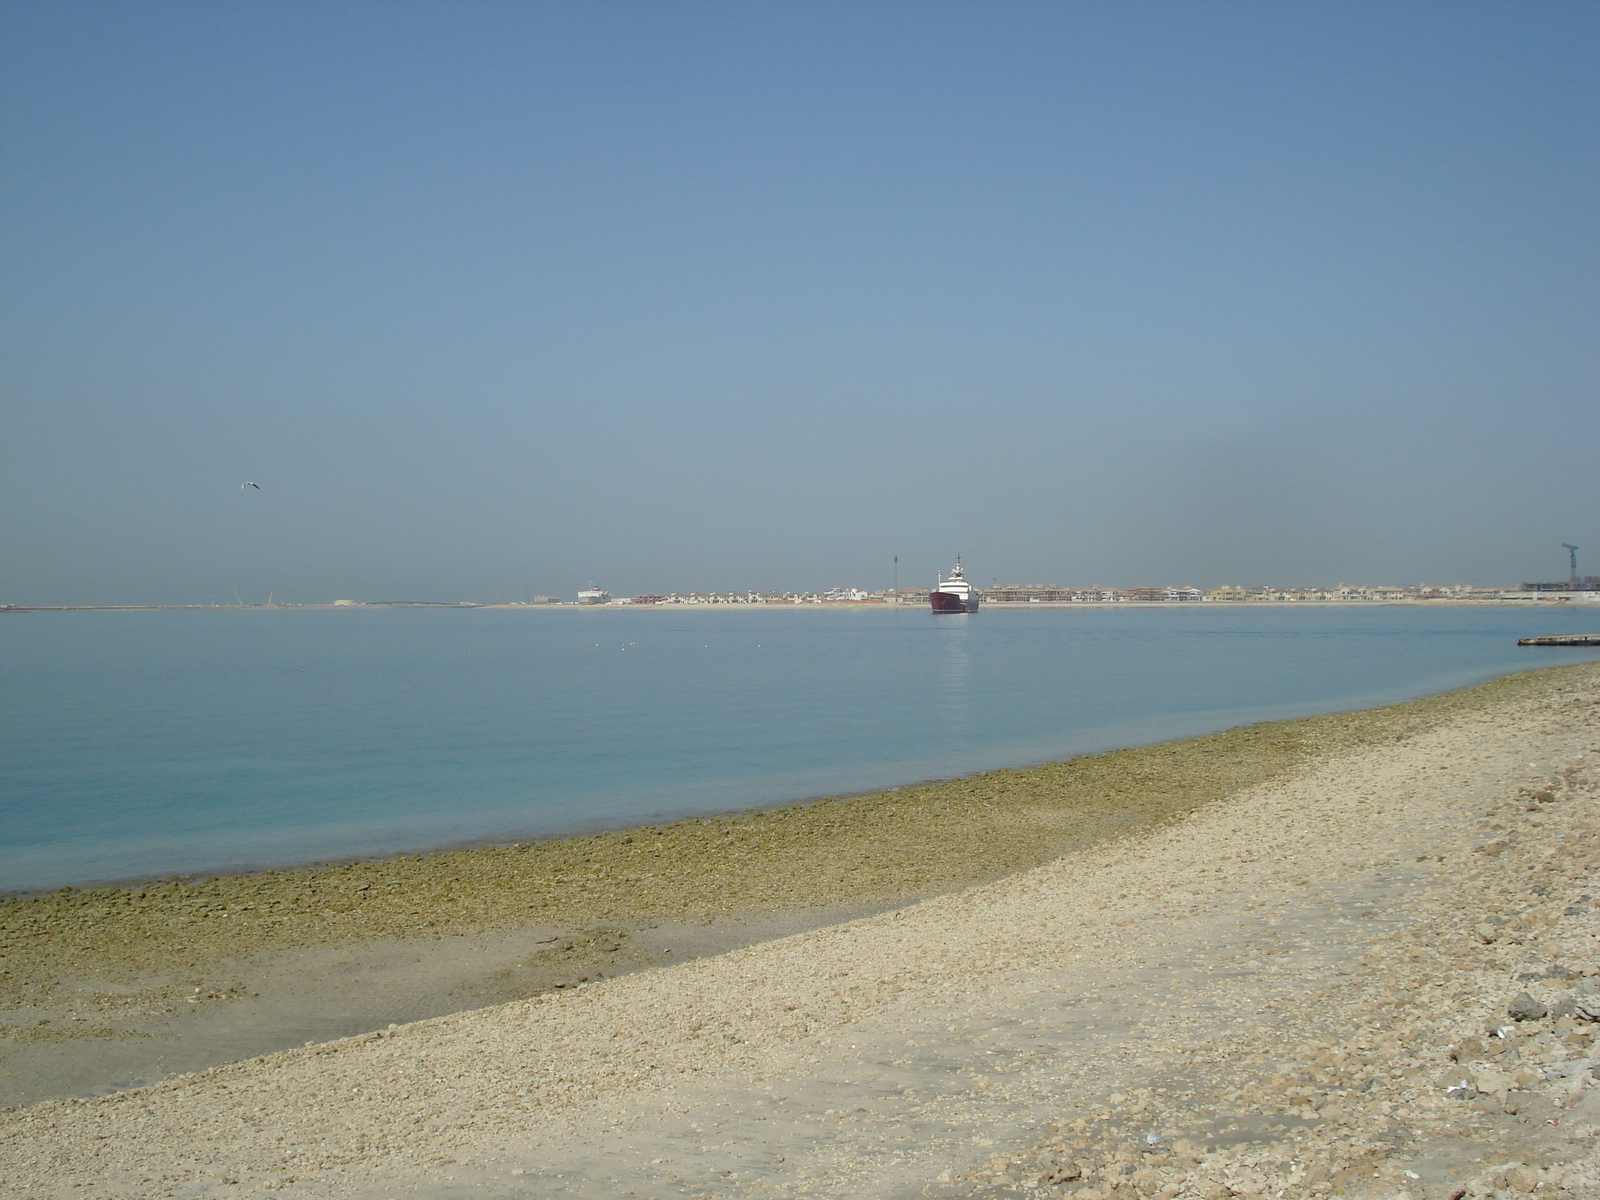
{"x": 1369, "y": 970}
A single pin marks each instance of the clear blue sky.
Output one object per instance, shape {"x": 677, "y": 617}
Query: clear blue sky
{"x": 705, "y": 295}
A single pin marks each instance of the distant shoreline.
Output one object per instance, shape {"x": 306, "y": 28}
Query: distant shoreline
{"x": 1533, "y": 600}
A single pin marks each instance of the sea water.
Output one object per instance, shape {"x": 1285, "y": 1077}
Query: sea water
{"x": 147, "y": 743}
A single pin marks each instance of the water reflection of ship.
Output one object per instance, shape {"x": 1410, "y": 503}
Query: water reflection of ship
{"x": 954, "y": 595}
{"x": 952, "y": 699}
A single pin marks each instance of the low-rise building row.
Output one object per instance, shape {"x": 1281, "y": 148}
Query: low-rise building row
{"x": 1039, "y": 593}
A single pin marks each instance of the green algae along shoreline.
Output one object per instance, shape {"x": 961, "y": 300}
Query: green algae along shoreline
{"x": 870, "y": 850}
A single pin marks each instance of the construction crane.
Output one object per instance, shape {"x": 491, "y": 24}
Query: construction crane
{"x": 1572, "y": 553}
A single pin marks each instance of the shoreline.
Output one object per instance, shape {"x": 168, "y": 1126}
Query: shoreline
{"x": 1533, "y": 599}
{"x": 624, "y": 826}
{"x": 627, "y": 824}
{"x": 1283, "y": 988}
{"x": 90, "y": 974}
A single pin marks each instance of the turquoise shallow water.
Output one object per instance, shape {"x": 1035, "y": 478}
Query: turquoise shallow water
{"x": 149, "y": 743}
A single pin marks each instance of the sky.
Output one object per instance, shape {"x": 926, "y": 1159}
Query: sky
{"x": 704, "y": 296}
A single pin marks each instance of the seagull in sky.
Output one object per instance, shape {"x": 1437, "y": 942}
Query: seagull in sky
{"x": 247, "y": 483}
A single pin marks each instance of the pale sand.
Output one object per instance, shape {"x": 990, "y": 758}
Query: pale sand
{"x": 1277, "y": 978}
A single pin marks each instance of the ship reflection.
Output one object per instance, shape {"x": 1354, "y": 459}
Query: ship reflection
{"x": 955, "y": 669}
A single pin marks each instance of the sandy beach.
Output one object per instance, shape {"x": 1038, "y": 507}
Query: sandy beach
{"x": 1348, "y": 956}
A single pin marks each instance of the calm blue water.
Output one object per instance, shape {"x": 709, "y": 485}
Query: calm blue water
{"x": 148, "y": 743}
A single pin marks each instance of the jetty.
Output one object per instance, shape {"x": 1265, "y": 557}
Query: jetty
{"x": 1563, "y": 639}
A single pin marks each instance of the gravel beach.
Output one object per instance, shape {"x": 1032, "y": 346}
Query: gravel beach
{"x": 1348, "y": 956}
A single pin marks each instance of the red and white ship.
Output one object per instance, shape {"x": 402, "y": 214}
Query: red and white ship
{"x": 954, "y": 595}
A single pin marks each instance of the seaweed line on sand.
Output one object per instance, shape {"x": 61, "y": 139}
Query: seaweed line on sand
{"x": 870, "y": 850}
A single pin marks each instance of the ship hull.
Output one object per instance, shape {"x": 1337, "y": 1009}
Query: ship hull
{"x": 949, "y": 602}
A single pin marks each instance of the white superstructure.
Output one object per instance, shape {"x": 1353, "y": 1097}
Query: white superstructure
{"x": 954, "y": 594}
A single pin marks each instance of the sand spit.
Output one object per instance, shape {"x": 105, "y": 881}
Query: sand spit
{"x": 1292, "y": 989}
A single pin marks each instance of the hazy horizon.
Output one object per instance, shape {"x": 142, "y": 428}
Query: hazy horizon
{"x": 522, "y": 597}
{"x": 696, "y": 297}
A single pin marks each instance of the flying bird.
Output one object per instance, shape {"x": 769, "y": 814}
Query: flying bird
{"x": 247, "y": 483}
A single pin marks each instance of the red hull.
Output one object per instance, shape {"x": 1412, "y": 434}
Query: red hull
{"x": 949, "y": 602}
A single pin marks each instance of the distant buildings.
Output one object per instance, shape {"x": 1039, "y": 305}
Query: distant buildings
{"x": 1587, "y": 588}
{"x": 1582, "y": 583}
{"x": 1343, "y": 593}
{"x": 837, "y": 595}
